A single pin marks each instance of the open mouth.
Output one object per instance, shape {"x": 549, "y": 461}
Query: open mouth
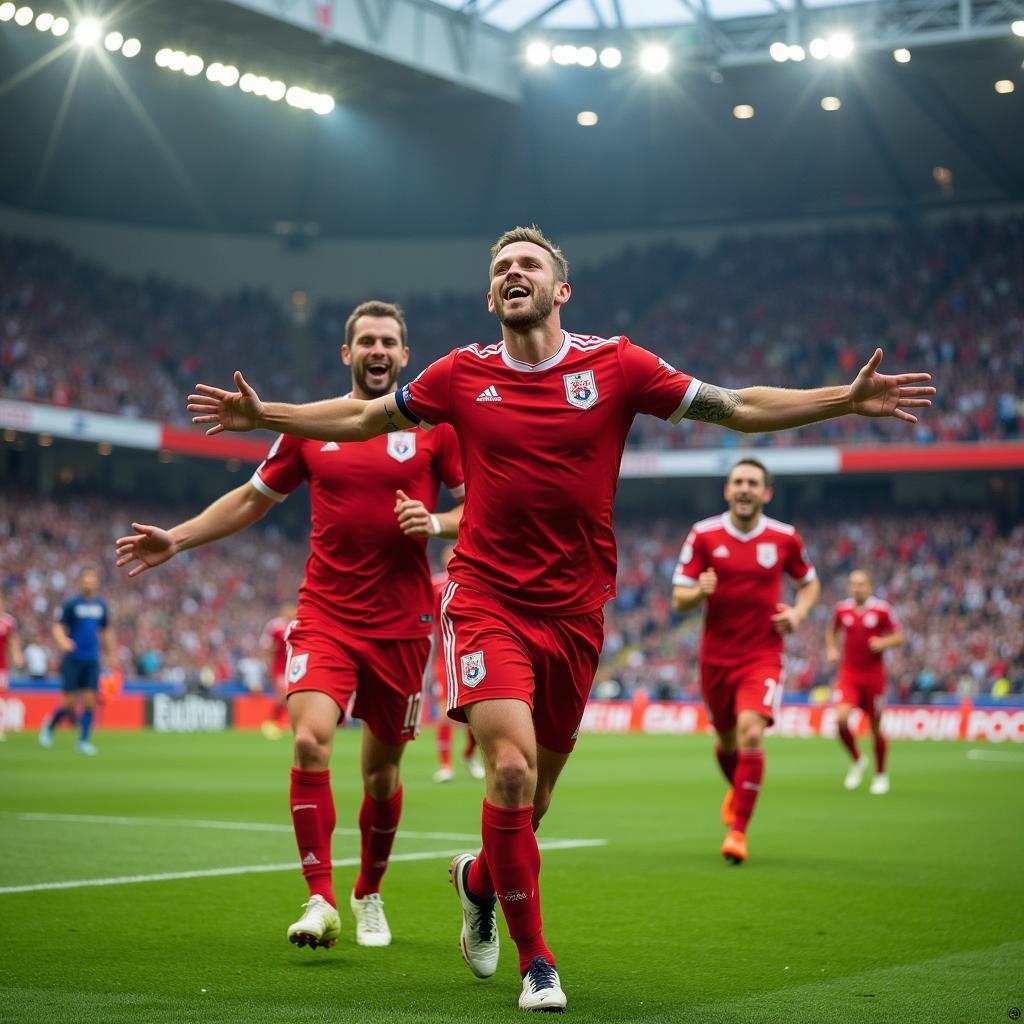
{"x": 516, "y": 291}
{"x": 377, "y": 373}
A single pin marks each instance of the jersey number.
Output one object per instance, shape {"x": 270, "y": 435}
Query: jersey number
{"x": 413, "y": 706}
{"x": 771, "y": 688}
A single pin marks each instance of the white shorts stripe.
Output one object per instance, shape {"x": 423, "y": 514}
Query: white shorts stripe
{"x": 448, "y": 639}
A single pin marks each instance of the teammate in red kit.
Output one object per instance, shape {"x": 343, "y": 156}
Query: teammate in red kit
{"x": 445, "y": 772}
{"x": 733, "y": 564}
{"x": 543, "y": 417}
{"x": 275, "y": 640}
{"x": 365, "y": 611}
{"x": 8, "y": 640}
{"x": 869, "y": 629}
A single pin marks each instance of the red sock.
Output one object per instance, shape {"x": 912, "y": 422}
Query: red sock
{"x": 378, "y": 823}
{"x": 313, "y": 819}
{"x": 727, "y": 762}
{"x": 749, "y": 773}
{"x": 514, "y": 860}
{"x": 881, "y": 749}
{"x": 444, "y": 741}
{"x": 849, "y": 741}
{"x": 470, "y": 744}
{"x": 479, "y": 880}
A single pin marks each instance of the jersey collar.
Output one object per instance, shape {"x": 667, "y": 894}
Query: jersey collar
{"x": 544, "y": 364}
{"x": 730, "y": 528}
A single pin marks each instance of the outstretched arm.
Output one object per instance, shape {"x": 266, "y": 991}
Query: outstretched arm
{"x": 335, "y": 419}
{"x": 754, "y": 410}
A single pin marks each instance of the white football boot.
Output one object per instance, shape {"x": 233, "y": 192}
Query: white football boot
{"x": 371, "y": 924}
{"x": 880, "y": 785}
{"x": 479, "y": 937}
{"x": 855, "y": 774}
{"x": 320, "y": 925}
{"x": 542, "y": 989}
{"x": 444, "y": 775}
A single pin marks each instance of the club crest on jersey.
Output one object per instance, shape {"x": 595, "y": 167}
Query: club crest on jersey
{"x": 297, "y": 665}
{"x": 473, "y": 669}
{"x": 580, "y": 389}
{"x": 402, "y": 446}
{"x": 767, "y": 555}
{"x": 870, "y": 620}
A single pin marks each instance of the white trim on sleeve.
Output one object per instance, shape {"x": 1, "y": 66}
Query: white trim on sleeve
{"x": 811, "y": 574}
{"x": 688, "y": 397}
{"x": 267, "y": 492}
{"x": 684, "y": 581}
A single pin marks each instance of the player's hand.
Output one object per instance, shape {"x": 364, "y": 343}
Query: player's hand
{"x": 707, "y": 581}
{"x": 67, "y": 645}
{"x": 877, "y": 394}
{"x": 786, "y": 619}
{"x": 145, "y": 549}
{"x": 413, "y": 516}
{"x": 832, "y": 656}
{"x": 876, "y": 644}
{"x": 239, "y": 410}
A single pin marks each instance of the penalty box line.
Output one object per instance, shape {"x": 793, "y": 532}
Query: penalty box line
{"x": 255, "y": 869}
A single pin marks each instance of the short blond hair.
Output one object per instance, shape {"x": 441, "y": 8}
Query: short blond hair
{"x": 375, "y": 307}
{"x": 537, "y": 237}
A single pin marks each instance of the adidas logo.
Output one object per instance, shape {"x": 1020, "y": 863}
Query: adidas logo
{"x": 720, "y": 552}
{"x": 489, "y": 394}
{"x": 310, "y": 858}
{"x": 331, "y": 446}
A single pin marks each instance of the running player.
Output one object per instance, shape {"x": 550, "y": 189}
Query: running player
{"x": 869, "y": 629}
{"x": 365, "y": 611}
{"x": 81, "y": 630}
{"x": 733, "y": 564}
{"x": 9, "y": 641}
{"x": 445, "y": 772}
{"x": 275, "y": 640}
{"x": 543, "y": 417}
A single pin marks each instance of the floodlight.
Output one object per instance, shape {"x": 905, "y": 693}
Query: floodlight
{"x": 743, "y": 112}
{"x": 298, "y": 97}
{"x": 323, "y": 104}
{"x": 779, "y": 52}
{"x": 831, "y": 103}
{"x": 538, "y": 53}
{"x": 247, "y": 82}
{"x": 797, "y": 52}
{"x": 162, "y": 58}
{"x": 611, "y": 57}
{"x": 131, "y": 48}
{"x": 23, "y": 16}
{"x": 818, "y": 48}
{"x": 114, "y": 41}
{"x": 901, "y": 56}
{"x": 88, "y": 32}
{"x": 193, "y": 65}
{"x": 260, "y": 85}
{"x": 566, "y": 53}
{"x": 213, "y": 71}
{"x": 60, "y": 26}
{"x": 1004, "y": 87}
{"x": 654, "y": 59}
{"x": 7, "y": 11}
{"x": 44, "y": 22}
{"x": 176, "y": 62}
{"x": 586, "y": 118}
{"x": 587, "y": 56}
{"x": 840, "y": 45}
{"x": 228, "y": 75}
{"x": 276, "y": 91}
{"x": 1016, "y": 27}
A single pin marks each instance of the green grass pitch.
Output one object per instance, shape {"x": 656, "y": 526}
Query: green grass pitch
{"x": 906, "y": 908}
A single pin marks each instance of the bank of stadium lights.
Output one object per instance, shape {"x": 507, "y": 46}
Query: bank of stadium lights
{"x": 88, "y": 31}
{"x": 838, "y": 46}
{"x": 539, "y": 53}
{"x": 781, "y": 52}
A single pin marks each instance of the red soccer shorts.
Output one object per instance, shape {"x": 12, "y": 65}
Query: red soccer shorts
{"x": 730, "y": 689}
{"x": 383, "y": 679}
{"x": 864, "y": 692}
{"x": 494, "y": 651}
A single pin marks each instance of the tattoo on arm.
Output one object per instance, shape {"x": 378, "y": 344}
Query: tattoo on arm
{"x": 713, "y": 405}
{"x": 388, "y": 411}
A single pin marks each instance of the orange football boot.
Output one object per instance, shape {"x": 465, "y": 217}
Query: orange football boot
{"x": 728, "y": 814}
{"x": 734, "y": 849}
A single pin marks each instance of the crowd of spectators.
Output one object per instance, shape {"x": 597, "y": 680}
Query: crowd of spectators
{"x": 957, "y": 586}
{"x": 799, "y": 311}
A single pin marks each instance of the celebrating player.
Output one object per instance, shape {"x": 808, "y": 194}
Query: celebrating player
{"x": 275, "y": 640}
{"x": 733, "y": 564}
{"x": 81, "y": 629}
{"x": 8, "y": 641}
{"x": 543, "y": 417}
{"x": 365, "y": 611}
{"x": 869, "y": 629}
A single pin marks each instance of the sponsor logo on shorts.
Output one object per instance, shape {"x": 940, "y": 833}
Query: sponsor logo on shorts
{"x": 580, "y": 389}
{"x": 297, "y": 665}
{"x": 767, "y": 555}
{"x": 473, "y": 669}
{"x": 402, "y": 446}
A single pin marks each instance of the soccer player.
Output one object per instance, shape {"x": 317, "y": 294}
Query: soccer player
{"x": 9, "y": 641}
{"x": 733, "y": 564}
{"x": 445, "y": 772}
{"x": 81, "y": 630}
{"x": 543, "y": 417}
{"x": 365, "y": 611}
{"x": 275, "y": 640}
{"x": 869, "y": 629}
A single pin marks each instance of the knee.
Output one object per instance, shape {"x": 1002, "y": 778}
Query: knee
{"x": 751, "y": 737}
{"x": 311, "y": 752}
{"x": 381, "y": 782}
{"x": 513, "y": 779}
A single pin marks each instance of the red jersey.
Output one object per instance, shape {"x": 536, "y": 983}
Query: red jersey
{"x": 859, "y": 624}
{"x": 362, "y": 571}
{"x": 738, "y": 621}
{"x": 541, "y": 447}
{"x": 274, "y": 633}
{"x": 7, "y": 629}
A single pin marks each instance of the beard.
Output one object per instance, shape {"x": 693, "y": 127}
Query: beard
{"x": 537, "y": 312}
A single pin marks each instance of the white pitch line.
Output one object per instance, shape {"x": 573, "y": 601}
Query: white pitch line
{"x": 255, "y": 869}
{"x": 1012, "y": 757}
{"x": 231, "y": 826}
